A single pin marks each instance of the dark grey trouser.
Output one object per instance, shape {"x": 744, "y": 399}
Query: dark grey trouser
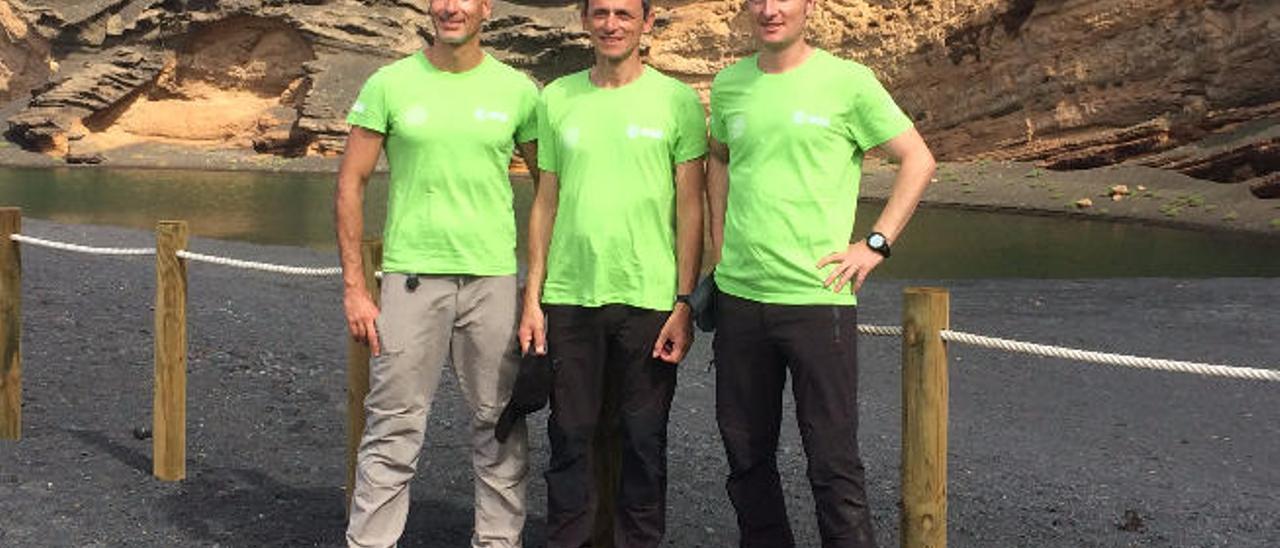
{"x": 756, "y": 344}
{"x": 597, "y": 350}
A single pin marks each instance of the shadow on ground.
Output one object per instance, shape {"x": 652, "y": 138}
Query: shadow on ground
{"x": 242, "y": 507}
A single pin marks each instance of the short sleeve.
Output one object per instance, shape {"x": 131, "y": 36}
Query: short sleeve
{"x": 370, "y": 109}
{"x": 876, "y": 117}
{"x": 691, "y": 126}
{"x": 717, "y": 115}
{"x": 527, "y": 129}
{"x": 548, "y": 144}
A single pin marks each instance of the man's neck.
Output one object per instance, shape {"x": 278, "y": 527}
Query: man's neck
{"x": 455, "y": 58}
{"x": 775, "y": 61}
{"x": 614, "y": 74}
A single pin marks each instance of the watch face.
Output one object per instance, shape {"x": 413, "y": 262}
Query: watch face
{"x": 875, "y": 241}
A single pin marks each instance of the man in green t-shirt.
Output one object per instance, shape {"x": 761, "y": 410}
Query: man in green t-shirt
{"x": 789, "y": 128}
{"x": 448, "y": 118}
{"x": 615, "y": 240}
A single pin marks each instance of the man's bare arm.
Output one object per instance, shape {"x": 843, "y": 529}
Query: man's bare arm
{"x": 358, "y": 162}
{"x": 690, "y": 188}
{"x": 717, "y": 194}
{"x": 677, "y": 334}
{"x": 542, "y": 218}
{"x": 915, "y": 169}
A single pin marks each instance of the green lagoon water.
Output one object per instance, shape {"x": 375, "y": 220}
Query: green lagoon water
{"x": 296, "y": 209}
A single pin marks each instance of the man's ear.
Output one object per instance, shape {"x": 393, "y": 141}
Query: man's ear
{"x": 649, "y": 20}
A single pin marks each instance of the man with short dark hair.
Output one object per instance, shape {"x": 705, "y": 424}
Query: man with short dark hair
{"x": 615, "y": 238}
{"x": 448, "y": 118}
{"x": 789, "y": 128}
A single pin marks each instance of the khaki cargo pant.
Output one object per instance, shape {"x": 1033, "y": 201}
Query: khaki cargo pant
{"x": 469, "y": 321}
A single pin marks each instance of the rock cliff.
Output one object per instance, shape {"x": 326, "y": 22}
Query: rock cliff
{"x": 1189, "y": 85}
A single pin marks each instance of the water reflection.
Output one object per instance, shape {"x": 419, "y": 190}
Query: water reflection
{"x": 296, "y": 209}
{"x": 289, "y": 209}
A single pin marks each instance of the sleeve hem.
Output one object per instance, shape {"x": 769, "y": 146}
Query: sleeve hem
{"x": 367, "y": 125}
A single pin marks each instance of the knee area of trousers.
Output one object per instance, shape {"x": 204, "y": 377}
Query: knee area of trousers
{"x": 573, "y": 434}
{"x": 386, "y": 470}
{"x": 486, "y": 416}
{"x": 829, "y": 470}
{"x": 648, "y": 445}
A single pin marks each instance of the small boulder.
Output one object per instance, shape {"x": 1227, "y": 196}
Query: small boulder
{"x": 1084, "y": 203}
{"x": 85, "y": 157}
{"x": 1266, "y": 187}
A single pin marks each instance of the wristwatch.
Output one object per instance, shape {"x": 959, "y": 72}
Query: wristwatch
{"x": 684, "y": 298}
{"x": 878, "y": 243}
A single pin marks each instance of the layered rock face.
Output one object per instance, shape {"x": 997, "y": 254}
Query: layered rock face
{"x": 25, "y": 61}
{"x": 273, "y": 76}
{"x": 1191, "y": 85}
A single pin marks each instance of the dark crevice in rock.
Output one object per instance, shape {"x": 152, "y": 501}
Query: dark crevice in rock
{"x": 1018, "y": 13}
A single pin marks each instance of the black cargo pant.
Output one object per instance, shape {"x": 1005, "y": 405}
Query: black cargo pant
{"x": 597, "y": 350}
{"x": 755, "y": 346}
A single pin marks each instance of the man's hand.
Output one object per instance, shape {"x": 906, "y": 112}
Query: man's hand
{"x": 854, "y": 263}
{"x": 676, "y": 336}
{"x": 533, "y": 330}
{"x": 361, "y": 313}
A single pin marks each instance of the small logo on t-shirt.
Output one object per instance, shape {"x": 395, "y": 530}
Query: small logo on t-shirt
{"x": 483, "y": 115}
{"x": 415, "y": 115}
{"x": 358, "y": 107}
{"x": 569, "y": 137}
{"x": 801, "y": 118}
{"x": 737, "y": 126}
{"x": 634, "y": 132}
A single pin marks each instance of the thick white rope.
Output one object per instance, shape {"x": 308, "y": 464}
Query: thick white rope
{"x": 265, "y": 267}
{"x": 1086, "y": 355}
{"x": 1112, "y": 359}
{"x": 880, "y": 330}
{"x": 82, "y": 248}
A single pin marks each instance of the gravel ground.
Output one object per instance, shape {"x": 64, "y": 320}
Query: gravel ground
{"x": 1043, "y": 452}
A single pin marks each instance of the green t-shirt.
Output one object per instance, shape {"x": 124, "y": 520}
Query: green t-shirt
{"x": 449, "y": 138}
{"x": 615, "y": 151}
{"x": 796, "y": 142}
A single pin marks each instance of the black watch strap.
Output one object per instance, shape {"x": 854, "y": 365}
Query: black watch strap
{"x": 684, "y": 298}
{"x": 879, "y": 244}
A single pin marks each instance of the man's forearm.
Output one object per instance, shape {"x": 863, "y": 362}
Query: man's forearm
{"x": 909, "y": 184}
{"x": 717, "y": 200}
{"x": 690, "y": 188}
{"x": 349, "y": 220}
{"x": 542, "y": 217}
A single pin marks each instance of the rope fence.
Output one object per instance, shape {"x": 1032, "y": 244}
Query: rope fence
{"x": 1122, "y": 360}
{"x": 263, "y": 267}
{"x": 185, "y": 254}
{"x": 1008, "y": 345}
{"x": 64, "y": 246}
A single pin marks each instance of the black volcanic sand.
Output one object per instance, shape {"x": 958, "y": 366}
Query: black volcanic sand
{"x": 1044, "y": 452}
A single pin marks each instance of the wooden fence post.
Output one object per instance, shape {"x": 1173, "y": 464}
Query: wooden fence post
{"x": 169, "y": 410}
{"x": 358, "y": 366}
{"x": 10, "y": 325}
{"x": 925, "y": 312}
